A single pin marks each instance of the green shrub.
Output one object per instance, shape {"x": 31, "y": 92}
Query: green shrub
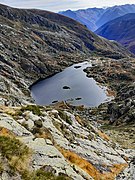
{"x": 35, "y": 109}
{"x": 10, "y": 147}
{"x": 42, "y": 175}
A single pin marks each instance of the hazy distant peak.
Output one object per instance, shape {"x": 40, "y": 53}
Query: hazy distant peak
{"x": 120, "y": 29}
{"x": 94, "y": 18}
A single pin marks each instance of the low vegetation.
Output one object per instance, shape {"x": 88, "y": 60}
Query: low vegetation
{"x": 42, "y": 175}
{"x": 124, "y": 134}
{"x": 35, "y": 109}
{"x": 18, "y": 156}
{"x": 10, "y": 147}
{"x": 65, "y": 117}
{"x": 91, "y": 169}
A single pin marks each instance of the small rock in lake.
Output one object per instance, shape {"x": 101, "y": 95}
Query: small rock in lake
{"x": 66, "y": 87}
{"x": 70, "y": 99}
{"x": 77, "y": 67}
{"x": 54, "y": 102}
{"x": 78, "y": 99}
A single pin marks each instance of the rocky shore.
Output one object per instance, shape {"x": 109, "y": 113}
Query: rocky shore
{"x": 57, "y": 149}
{"x": 56, "y": 146}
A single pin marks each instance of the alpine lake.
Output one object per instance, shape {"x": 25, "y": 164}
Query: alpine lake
{"x": 71, "y": 86}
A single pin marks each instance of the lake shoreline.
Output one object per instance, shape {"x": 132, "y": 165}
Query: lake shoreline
{"x": 71, "y": 83}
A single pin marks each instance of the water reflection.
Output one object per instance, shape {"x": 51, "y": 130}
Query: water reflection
{"x": 70, "y": 85}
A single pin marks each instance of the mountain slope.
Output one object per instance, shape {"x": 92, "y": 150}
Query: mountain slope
{"x": 87, "y": 17}
{"x": 36, "y": 44}
{"x": 115, "y": 12}
{"x": 45, "y": 143}
{"x": 122, "y": 30}
{"x": 94, "y": 18}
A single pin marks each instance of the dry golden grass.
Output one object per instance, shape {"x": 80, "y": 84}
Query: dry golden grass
{"x": 79, "y": 120}
{"x": 61, "y": 105}
{"x": 103, "y": 135}
{"x": 6, "y": 132}
{"x": 9, "y": 110}
{"x": 44, "y": 135}
{"x": 110, "y": 93}
{"x": 90, "y": 169}
{"x": 17, "y": 153}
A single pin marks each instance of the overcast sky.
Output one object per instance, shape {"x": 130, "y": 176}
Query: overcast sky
{"x": 59, "y": 5}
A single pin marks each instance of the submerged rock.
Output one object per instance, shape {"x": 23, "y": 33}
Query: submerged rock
{"x": 78, "y": 99}
{"x": 66, "y": 87}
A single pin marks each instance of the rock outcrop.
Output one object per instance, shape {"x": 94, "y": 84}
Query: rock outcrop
{"x": 56, "y": 143}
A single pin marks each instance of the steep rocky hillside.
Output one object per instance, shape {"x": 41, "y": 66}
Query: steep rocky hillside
{"x": 46, "y": 143}
{"x": 61, "y": 141}
{"x": 94, "y": 18}
{"x": 117, "y": 116}
{"x": 120, "y": 29}
{"x": 36, "y": 44}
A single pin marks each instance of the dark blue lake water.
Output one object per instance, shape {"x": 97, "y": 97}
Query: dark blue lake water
{"x": 72, "y": 86}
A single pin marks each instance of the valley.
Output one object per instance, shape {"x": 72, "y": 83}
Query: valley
{"x": 115, "y": 23}
{"x": 63, "y": 141}
{"x": 94, "y": 18}
{"x": 121, "y": 30}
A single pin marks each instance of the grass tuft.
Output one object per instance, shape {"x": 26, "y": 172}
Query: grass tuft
{"x": 65, "y": 117}
{"x": 35, "y": 109}
{"x": 10, "y": 147}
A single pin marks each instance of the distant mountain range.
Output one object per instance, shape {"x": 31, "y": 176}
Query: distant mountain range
{"x": 121, "y": 29}
{"x": 87, "y": 17}
{"x": 94, "y": 18}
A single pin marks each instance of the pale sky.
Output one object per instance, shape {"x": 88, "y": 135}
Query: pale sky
{"x": 60, "y": 5}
